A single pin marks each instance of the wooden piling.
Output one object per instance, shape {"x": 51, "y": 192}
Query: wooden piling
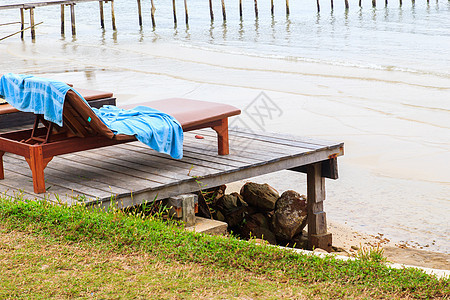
{"x": 174, "y": 12}
{"x": 62, "y": 19}
{"x": 346, "y": 4}
{"x": 224, "y": 13}
{"x": 374, "y": 3}
{"x": 186, "y": 12}
{"x": 153, "y": 14}
{"x": 386, "y": 3}
{"x": 401, "y": 3}
{"x": 240, "y": 9}
{"x": 139, "y": 12}
{"x": 360, "y": 4}
{"x": 318, "y": 6}
{"x": 72, "y": 18}
{"x": 332, "y": 4}
{"x": 113, "y": 16}
{"x": 33, "y": 31}
{"x": 288, "y": 11}
{"x": 211, "y": 12}
{"x": 256, "y": 8}
{"x": 22, "y": 23}
{"x": 271, "y": 7}
{"x": 102, "y": 15}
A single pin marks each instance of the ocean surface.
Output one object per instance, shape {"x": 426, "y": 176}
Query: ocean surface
{"x": 377, "y": 79}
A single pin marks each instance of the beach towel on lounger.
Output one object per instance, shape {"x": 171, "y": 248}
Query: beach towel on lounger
{"x": 154, "y": 128}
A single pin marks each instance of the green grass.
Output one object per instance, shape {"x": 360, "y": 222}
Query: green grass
{"x": 103, "y": 252}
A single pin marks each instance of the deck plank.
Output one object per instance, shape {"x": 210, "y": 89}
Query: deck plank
{"x": 132, "y": 173}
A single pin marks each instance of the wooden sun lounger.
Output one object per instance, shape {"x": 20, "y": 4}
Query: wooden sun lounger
{"x": 83, "y": 130}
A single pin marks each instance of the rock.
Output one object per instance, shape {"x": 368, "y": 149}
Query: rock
{"x": 290, "y": 215}
{"x": 260, "y": 220}
{"x": 300, "y": 241}
{"x": 232, "y": 207}
{"x": 254, "y": 230}
{"x": 261, "y": 196}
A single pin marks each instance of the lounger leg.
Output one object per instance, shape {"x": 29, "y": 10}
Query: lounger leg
{"x": 2, "y": 173}
{"x": 222, "y": 137}
{"x": 37, "y": 165}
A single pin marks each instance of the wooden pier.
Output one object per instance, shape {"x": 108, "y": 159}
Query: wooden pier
{"x": 71, "y": 4}
{"x": 131, "y": 174}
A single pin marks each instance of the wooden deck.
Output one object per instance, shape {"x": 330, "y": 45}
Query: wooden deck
{"x": 131, "y": 174}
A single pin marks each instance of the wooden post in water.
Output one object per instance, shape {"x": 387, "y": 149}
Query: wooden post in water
{"x": 211, "y": 12}
{"x": 271, "y": 7}
{"x": 332, "y": 4}
{"x": 174, "y": 12}
{"x": 224, "y": 13}
{"x": 374, "y": 3}
{"x": 72, "y": 18}
{"x": 318, "y": 6}
{"x": 186, "y": 12}
{"x": 153, "y": 14}
{"x": 62, "y": 19}
{"x": 360, "y": 4}
{"x": 33, "y": 32}
{"x": 401, "y": 2}
{"x": 287, "y": 8}
{"x": 346, "y": 4}
{"x": 256, "y": 8}
{"x": 240, "y": 9}
{"x": 139, "y": 12}
{"x": 386, "y": 3}
{"x": 22, "y": 23}
{"x": 113, "y": 16}
{"x": 102, "y": 15}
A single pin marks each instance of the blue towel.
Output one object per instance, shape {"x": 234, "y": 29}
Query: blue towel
{"x": 33, "y": 94}
{"x": 152, "y": 127}
{"x": 156, "y": 129}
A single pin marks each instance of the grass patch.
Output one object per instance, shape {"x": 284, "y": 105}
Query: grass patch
{"x": 75, "y": 251}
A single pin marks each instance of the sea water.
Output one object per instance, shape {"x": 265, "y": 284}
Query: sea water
{"x": 377, "y": 79}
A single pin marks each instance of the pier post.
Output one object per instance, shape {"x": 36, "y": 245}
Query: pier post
{"x": 360, "y": 3}
{"x": 139, "y": 12}
{"x": 374, "y": 3}
{"x": 256, "y": 8}
{"x": 317, "y": 221}
{"x": 346, "y": 4}
{"x": 186, "y": 12}
{"x": 62, "y": 19}
{"x": 113, "y": 16}
{"x": 153, "y": 14}
{"x": 224, "y": 13}
{"x": 174, "y": 12}
{"x": 211, "y": 12}
{"x": 72, "y": 18}
{"x": 401, "y": 3}
{"x": 240, "y": 9}
{"x": 288, "y": 11}
{"x": 386, "y": 3}
{"x": 33, "y": 32}
{"x": 22, "y": 23}
{"x": 102, "y": 15}
{"x": 318, "y": 6}
{"x": 332, "y": 4}
{"x": 271, "y": 7}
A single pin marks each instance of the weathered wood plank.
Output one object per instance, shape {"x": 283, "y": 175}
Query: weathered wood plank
{"x": 64, "y": 179}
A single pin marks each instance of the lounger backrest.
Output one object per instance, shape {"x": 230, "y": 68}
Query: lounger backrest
{"x": 81, "y": 120}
